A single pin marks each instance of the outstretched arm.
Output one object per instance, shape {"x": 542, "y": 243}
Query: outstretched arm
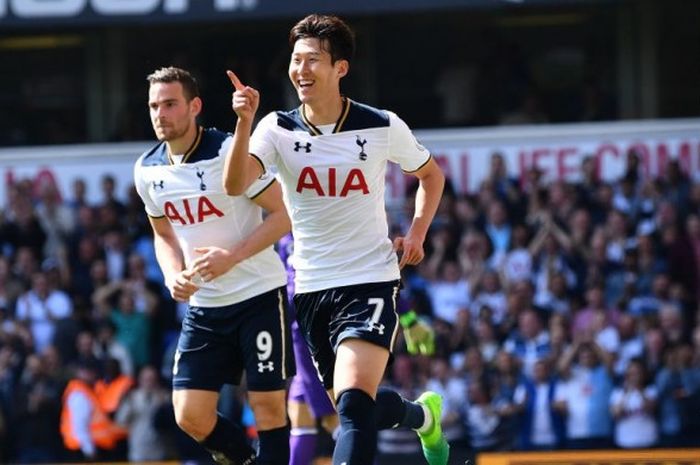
{"x": 431, "y": 183}
{"x": 240, "y": 169}
{"x": 215, "y": 261}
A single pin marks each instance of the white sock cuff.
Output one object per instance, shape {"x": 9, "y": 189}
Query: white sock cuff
{"x": 428, "y": 420}
{"x": 303, "y": 431}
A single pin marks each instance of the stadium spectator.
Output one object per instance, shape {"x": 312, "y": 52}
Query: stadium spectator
{"x": 36, "y": 412}
{"x": 481, "y": 417}
{"x": 584, "y": 395}
{"x": 112, "y": 387}
{"x": 106, "y": 346}
{"x": 530, "y": 342}
{"x": 138, "y": 413}
{"x": 87, "y": 430}
{"x": 40, "y": 308}
{"x": 541, "y": 426}
{"x": 632, "y": 406}
{"x": 677, "y": 382}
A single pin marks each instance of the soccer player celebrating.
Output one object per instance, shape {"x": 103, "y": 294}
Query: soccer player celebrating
{"x": 216, "y": 252}
{"x": 331, "y": 155}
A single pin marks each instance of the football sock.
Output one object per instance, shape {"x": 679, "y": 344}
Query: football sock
{"x": 228, "y": 445}
{"x": 357, "y": 441}
{"x": 393, "y": 411}
{"x": 302, "y": 445}
{"x": 273, "y": 446}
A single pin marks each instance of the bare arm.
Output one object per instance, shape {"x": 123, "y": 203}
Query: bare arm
{"x": 215, "y": 261}
{"x": 565, "y": 362}
{"x": 171, "y": 260}
{"x": 240, "y": 169}
{"x": 431, "y": 183}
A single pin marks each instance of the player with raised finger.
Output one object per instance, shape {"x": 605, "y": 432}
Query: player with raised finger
{"x": 331, "y": 154}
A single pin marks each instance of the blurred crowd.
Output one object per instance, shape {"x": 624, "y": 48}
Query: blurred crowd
{"x": 566, "y": 316}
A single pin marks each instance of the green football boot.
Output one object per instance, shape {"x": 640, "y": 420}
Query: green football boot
{"x": 435, "y": 447}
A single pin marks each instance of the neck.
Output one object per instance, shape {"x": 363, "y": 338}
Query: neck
{"x": 327, "y": 111}
{"x": 180, "y": 145}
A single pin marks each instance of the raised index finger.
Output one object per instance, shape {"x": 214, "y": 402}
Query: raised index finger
{"x": 234, "y": 80}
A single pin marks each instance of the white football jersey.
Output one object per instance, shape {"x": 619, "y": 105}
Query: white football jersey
{"x": 191, "y": 195}
{"x": 333, "y": 186}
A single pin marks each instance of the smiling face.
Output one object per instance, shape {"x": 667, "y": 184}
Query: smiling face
{"x": 172, "y": 115}
{"x": 312, "y": 71}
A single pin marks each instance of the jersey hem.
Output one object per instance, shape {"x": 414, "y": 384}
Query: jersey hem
{"x": 239, "y": 297}
{"x": 359, "y": 277}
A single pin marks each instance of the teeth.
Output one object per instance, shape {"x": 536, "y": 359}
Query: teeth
{"x": 305, "y": 83}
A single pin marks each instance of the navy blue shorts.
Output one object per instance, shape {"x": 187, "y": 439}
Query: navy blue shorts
{"x": 218, "y": 344}
{"x": 361, "y": 311}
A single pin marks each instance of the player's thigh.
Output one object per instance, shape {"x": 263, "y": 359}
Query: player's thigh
{"x": 360, "y": 365}
{"x": 306, "y": 386}
{"x": 269, "y": 407}
{"x": 195, "y": 411}
{"x": 265, "y": 342}
{"x": 313, "y": 316}
{"x": 207, "y": 356}
{"x": 363, "y": 330}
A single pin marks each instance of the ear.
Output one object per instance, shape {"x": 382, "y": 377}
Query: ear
{"x": 342, "y": 67}
{"x": 196, "y": 106}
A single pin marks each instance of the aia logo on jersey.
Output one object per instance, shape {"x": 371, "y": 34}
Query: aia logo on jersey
{"x": 191, "y": 211}
{"x": 309, "y": 179}
{"x": 299, "y": 146}
{"x": 361, "y": 143}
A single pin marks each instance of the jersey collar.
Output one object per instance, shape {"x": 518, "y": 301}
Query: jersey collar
{"x": 193, "y": 147}
{"x": 314, "y": 131}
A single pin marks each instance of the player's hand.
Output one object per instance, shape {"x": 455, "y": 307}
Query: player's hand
{"x": 212, "y": 262}
{"x": 245, "y": 99}
{"x": 419, "y": 335}
{"x": 410, "y": 248}
{"x": 182, "y": 288}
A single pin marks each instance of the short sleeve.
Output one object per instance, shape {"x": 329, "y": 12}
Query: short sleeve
{"x": 142, "y": 188}
{"x": 262, "y": 141}
{"x": 404, "y": 148}
{"x": 260, "y": 185}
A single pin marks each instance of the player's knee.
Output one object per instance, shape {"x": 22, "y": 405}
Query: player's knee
{"x": 330, "y": 422}
{"x": 300, "y": 415}
{"x": 194, "y": 422}
{"x": 356, "y": 408}
{"x": 270, "y": 409}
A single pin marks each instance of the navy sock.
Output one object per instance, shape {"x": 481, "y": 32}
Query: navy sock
{"x": 228, "y": 445}
{"x": 273, "y": 448}
{"x": 357, "y": 441}
{"x": 393, "y": 411}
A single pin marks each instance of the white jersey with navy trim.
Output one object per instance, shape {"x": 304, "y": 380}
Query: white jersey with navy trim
{"x": 191, "y": 195}
{"x": 333, "y": 186}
